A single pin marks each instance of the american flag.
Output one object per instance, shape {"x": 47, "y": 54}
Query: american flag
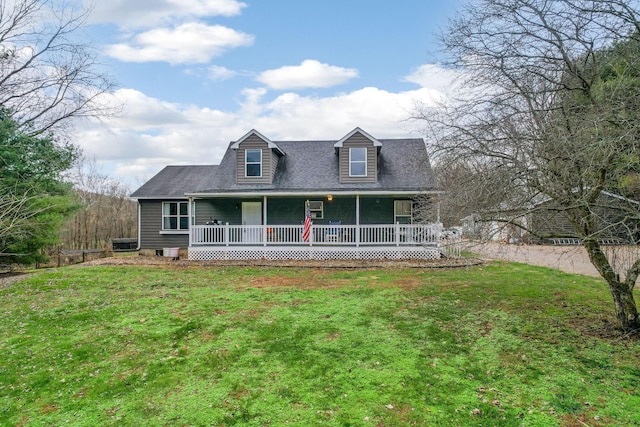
{"x": 306, "y": 231}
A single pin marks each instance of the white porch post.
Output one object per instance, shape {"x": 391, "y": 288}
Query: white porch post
{"x": 192, "y": 220}
{"x": 264, "y": 221}
{"x": 357, "y": 220}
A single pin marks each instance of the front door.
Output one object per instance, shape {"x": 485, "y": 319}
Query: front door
{"x": 252, "y": 215}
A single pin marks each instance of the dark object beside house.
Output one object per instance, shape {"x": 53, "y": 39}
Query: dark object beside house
{"x": 616, "y": 218}
{"x": 124, "y": 244}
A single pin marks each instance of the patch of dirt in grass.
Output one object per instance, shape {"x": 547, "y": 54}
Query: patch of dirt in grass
{"x": 8, "y": 278}
{"x": 111, "y": 412}
{"x": 410, "y": 283}
{"x": 334, "y": 336}
{"x": 207, "y": 336}
{"x": 252, "y": 313}
{"x": 310, "y": 282}
{"x": 322, "y": 264}
{"x": 585, "y": 420}
{"x": 316, "y": 280}
{"x": 603, "y": 328}
{"x": 48, "y": 408}
{"x": 239, "y": 394}
{"x": 284, "y": 282}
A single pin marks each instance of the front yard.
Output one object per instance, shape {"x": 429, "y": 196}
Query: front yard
{"x": 188, "y": 345}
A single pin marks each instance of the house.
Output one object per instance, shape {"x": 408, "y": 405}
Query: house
{"x": 359, "y": 192}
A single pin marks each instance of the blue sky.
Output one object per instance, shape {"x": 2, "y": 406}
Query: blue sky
{"x": 194, "y": 75}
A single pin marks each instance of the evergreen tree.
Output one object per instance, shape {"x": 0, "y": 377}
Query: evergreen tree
{"x": 34, "y": 199}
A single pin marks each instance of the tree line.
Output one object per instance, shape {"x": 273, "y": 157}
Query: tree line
{"x": 104, "y": 210}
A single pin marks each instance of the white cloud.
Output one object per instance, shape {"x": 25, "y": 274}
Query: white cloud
{"x": 309, "y": 74}
{"x": 218, "y": 73}
{"x": 379, "y": 112}
{"x": 433, "y": 76}
{"x": 146, "y": 13}
{"x": 187, "y": 43}
{"x": 151, "y": 133}
{"x": 143, "y": 113}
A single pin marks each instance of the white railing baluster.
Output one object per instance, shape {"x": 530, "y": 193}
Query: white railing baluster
{"x": 339, "y": 235}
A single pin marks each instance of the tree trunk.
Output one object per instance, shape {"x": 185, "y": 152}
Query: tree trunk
{"x": 622, "y": 293}
{"x": 626, "y": 310}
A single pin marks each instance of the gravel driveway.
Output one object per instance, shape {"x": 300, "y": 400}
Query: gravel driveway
{"x": 571, "y": 259}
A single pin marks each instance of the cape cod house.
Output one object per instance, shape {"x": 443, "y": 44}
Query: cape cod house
{"x": 358, "y": 193}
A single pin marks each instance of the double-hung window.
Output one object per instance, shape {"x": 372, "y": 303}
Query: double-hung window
{"x": 403, "y": 211}
{"x": 175, "y": 216}
{"x": 253, "y": 162}
{"x": 358, "y": 161}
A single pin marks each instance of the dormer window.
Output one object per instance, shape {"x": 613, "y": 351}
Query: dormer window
{"x": 358, "y": 161}
{"x": 253, "y": 163}
{"x": 358, "y": 154}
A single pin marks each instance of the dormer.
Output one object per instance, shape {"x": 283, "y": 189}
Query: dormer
{"x": 358, "y": 157}
{"x": 257, "y": 158}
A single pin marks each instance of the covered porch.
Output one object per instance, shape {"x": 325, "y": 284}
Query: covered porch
{"x": 395, "y": 241}
{"x": 343, "y": 226}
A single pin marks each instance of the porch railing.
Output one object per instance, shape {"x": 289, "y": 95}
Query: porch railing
{"x": 340, "y": 235}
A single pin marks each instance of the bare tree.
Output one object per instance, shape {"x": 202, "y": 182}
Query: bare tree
{"x": 48, "y": 74}
{"x": 106, "y": 211}
{"x": 15, "y": 213}
{"x": 547, "y": 122}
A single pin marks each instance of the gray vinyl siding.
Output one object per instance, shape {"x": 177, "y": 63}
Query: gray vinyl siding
{"x": 205, "y": 211}
{"x": 376, "y": 210}
{"x": 274, "y": 164}
{"x": 358, "y": 140}
{"x": 340, "y": 209}
{"x": 151, "y": 225}
{"x": 285, "y": 210}
{"x": 268, "y": 167}
{"x": 224, "y": 210}
{"x": 290, "y": 210}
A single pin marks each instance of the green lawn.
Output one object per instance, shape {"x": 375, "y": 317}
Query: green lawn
{"x": 497, "y": 345}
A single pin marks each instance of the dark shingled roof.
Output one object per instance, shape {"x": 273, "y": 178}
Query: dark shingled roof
{"x": 403, "y": 165}
{"x": 175, "y": 181}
